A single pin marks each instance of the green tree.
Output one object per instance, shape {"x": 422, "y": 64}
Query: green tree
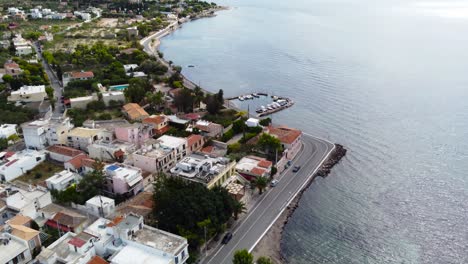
{"x": 261, "y": 183}
{"x": 239, "y": 208}
{"x": 199, "y": 95}
{"x": 136, "y": 90}
{"x": 7, "y": 78}
{"x": 220, "y": 96}
{"x": 212, "y": 104}
{"x": 264, "y": 260}
{"x": 184, "y": 100}
{"x": 265, "y": 121}
{"x": 3, "y": 143}
{"x": 242, "y": 257}
{"x": 269, "y": 143}
{"x": 155, "y": 99}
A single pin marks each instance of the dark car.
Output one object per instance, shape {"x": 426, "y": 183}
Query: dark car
{"x": 227, "y": 238}
{"x": 296, "y": 168}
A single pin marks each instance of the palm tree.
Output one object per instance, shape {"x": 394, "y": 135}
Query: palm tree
{"x": 199, "y": 95}
{"x": 261, "y": 183}
{"x": 156, "y": 100}
{"x": 239, "y": 208}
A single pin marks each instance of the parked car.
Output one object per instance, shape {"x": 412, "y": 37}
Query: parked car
{"x": 273, "y": 183}
{"x": 227, "y": 238}
{"x": 296, "y": 168}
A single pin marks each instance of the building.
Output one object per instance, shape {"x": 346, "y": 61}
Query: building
{"x": 83, "y": 15}
{"x": 27, "y": 234}
{"x": 64, "y": 219}
{"x": 123, "y": 180}
{"x": 141, "y": 204}
{"x": 126, "y": 239}
{"x": 290, "y": 139}
{"x": 62, "y": 180}
{"x": 13, "y": 250}
{"x": 195, "y": 143}
{"x": 76, "y": 76}
{"x": 62, "y": 153}
{"x": 252, "y": 122}
{"x": 251, "y": 167}
{"x": 209, "y": 129}
{"x": 130, "y": 67}
{"x": 23, "y": 50}
{"x": 159, "y": 122}
{"x": 69, "y": 248}
{"x": 83, "y": 101}
{"x": 81, "y": 164}
{"x": 7, "y": 130}
{"x": 109, "y": 96}
{"x": 132, "y": 32}
{"x": 81, "y": 138}
{"x": 25, "y": 200}
{"x": 101, "y": 206}
{"x": 159, "y": 155}
{"x": 110, "y": 150}
{"x": 17, "y": 164}
{"x": 136, "y": 133}
{"x": 12, "y": 68}
{"x": 46, "y": 132}
{"x": 208, "y": 171}
{"x": 134, "y": 112}
{"x": 28, "y": 94}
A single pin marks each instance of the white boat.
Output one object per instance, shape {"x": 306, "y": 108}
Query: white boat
{"x": 255, "y": 95}
{"x": 241, "y": 98}
{"x": 248, "y": 97}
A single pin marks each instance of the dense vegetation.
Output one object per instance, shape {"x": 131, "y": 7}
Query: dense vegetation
{"x": 12, "y": 114}
{"x": 187, "y": 208}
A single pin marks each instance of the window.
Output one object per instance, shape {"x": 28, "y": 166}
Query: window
{"x": 176, "y": 260}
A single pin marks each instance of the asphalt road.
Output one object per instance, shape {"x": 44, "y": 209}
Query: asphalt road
{"x": 54, "y": 82}
{"x": 254, "y": 226}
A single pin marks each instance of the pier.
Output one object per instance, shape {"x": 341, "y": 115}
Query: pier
{"x": 279, "y": 103}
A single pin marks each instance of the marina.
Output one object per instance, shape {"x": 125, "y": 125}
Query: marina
{"x": 279, "y": 103}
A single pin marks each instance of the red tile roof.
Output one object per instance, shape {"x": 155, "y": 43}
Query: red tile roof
{"x": 77, "y": 161}
{"x": 77, "y": 242}
{"x": 97, "y": 260}
{"x": 11, "y": 65}
{"x": 192, "y": 139}
{"x": 82, "y": 74}
{"x": 63, "y": 150}
{"x": 88, "y": 162}
{"x": 265, "y": 163}
{"x": 285, "y": 134}
{"x": 207, "y": 149}
{"x": 154, "y": 120}
{"x": 135, "y": 111}
{"x": 116, "y": 221}
{"x": 192, "y": 116}
{"x": 257, "y": 171}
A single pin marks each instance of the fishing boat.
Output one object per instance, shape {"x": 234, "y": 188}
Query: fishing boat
{"x": 248, "y": 97}
{"x": 191, "y": 66}
{"x": 241, "y": 98}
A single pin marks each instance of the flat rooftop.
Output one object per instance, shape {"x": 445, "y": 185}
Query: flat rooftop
{"x": 83, "y": 132}
{"x": 200, "y": 168}
{"x": 14, "y": 247}
{"x": 153, "y": 148}
{"x": 161, "y": 240}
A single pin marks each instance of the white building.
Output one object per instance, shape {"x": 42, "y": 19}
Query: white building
{"x": 23, "y": 50}
{"x": 81, "y": 138}
{"x": 76, "y": 76}
{"x": 25, "y": 200}
{"x": 101, "y": 206}
{"x": 46, "y": 132}
{"x": 26, "y": 93}
{"x": 137, "y": 241}
{"x": 7, "y": 130}
{"x": 70, "y": 248}
{"x": 83, "y": 15}
{"x": 252, "y": 122}
{"x": 175, "y": 143}
{"x": 19, "y": 163}
{"x": 110, "y": 150}
{"x": 62, "y": 180}
{"x": 130, "y": 67}
{"x": 13, "y": 250}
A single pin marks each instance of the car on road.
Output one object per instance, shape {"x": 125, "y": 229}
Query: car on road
{"x": 227, "y": 238}
{"x": 273, "y": 183}
{"x": 296, "y": 168}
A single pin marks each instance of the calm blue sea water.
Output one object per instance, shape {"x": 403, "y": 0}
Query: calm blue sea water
{"x": 387, "y": 79}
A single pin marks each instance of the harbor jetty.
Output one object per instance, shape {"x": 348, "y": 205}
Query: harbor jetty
{"x": 279, "y": 103}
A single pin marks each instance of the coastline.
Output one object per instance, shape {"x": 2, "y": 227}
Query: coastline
{"x": 270, "y": 244}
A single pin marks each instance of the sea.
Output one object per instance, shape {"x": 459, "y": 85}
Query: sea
{"x": 388, "y": 79}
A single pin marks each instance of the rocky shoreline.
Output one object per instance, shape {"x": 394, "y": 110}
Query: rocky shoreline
{"x": 270, "y": 244}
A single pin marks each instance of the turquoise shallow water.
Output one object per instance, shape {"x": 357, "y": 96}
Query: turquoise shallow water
{"x": 387, "y": 79}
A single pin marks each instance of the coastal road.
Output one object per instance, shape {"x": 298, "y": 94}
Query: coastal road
{"x": 261, "y": 217}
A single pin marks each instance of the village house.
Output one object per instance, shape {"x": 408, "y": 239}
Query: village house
{"x": 25, "y": 200}
{"x": 136, "y": 133}
{"x": 290, "y": 139}
{"x": 81, "y": 138}
{"x": 160, "y": 123}
{"x": 110, "y": 150}
{"x": 7, "y": 130}
{"x": 13, "y": 165}
{"x": 159, "y": 155}
{"x": 76, "y": 76}
{"x": 62, "y": 180}
{"x": 134, "y": 112}
{"x": 12, "y": 68}
{"x": 139, "y": 241}
{"x": 251, "y": 167}
{"x": 100, "y": 206}
{"x": 13, "y": 249}
{"x": 28, "y": 94}
{"x": 123, "y": 180}
{"x": 195, "y": 143}
{"x": 208, "y": 171}
{"x": 81, "y": 164}
{"x": 63, "y": 218}
{"x": 69, "y": 248}
{"x": 62, "y": 154}
{"x": 209, "y": 129}
{"x": 46, "y": 132}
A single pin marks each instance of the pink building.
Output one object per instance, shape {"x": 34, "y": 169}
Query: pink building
{"x": 123, "y": 179}
{"x": 134, "y": 133}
